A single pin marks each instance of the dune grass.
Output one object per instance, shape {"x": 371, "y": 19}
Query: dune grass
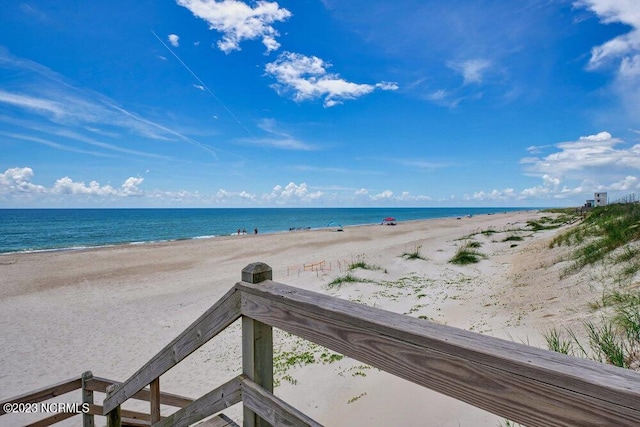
{"x": 360, "y": 262}
{"x": 610, "y": 235}
{"x": 604, "y": 230}
{"x": 468, "y": 253}
{"x": 415, "y": 254}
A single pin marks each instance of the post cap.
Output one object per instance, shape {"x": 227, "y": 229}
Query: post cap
{"x": 257, "y": 272}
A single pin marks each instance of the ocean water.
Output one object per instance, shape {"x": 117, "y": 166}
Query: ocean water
{"x": 24, "y": 230}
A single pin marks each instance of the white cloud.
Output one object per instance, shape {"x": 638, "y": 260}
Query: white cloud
{"x": 501, "y": 195}
{"x": 291, "y": 194}
{"x": 588, "y": 153}
{"x": 174, "y": 39}
{"x": 238, "y": 21}
{"x": 471, "y": 70}
{"x": 307, "y": 78}
{"x": 67, "y": 186}
{"x": 625, "y": 46}
{"x": 278, "y": 138}
{"x": 623, "y": 50}
{"x": 385, "y": 195}
{"x": 362, "y": 192}
{"x": 592, "y": 163}
{"x": 18, "y": 180}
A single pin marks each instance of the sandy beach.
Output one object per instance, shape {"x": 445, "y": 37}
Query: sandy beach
{"x": 109, "y": 310}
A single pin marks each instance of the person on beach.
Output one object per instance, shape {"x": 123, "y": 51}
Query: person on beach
{"x": 238, "y": 231}
{"x": 255, "y": 230}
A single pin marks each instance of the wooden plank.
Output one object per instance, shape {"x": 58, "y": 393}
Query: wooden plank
{"x": 125, "y": 413}
{"x": 220, "y": 420}
{"x": 44, "y": 393}
{"x": 132, "y": 422}
{"x": 154, "y": 389}
{"x": 100, "y": 384}
{"x": 528, "y": 385}
{"x": 213, "y": 321}
{"x": 272, "y": 409}
{"x": 53, "y": 419}
{"x": 216, "y": 400}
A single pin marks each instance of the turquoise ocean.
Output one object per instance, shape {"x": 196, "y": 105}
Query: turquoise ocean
{"x": 27, "y": 230}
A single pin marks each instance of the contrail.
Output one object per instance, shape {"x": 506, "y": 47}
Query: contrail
{"x": 207, "y": 88}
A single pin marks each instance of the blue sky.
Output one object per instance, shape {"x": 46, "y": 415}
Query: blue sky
{"x": 203, "y": 103}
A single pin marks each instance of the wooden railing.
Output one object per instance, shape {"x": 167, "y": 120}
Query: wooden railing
{"x": 527, "y": 385}
{"x": 88, "y": 384}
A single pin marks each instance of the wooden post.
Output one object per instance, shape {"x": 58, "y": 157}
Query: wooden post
{"x": 257, "y": 345}
{"x": 87, "y": 397}
{"x": 155, "y": 400}
{"x": 114, "y": 418}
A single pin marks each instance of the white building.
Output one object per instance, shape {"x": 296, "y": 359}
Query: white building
{"x": 600, "y": 199}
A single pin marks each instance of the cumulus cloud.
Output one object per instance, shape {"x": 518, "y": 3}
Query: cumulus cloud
{"x": 494, "y": 195}
{"x": 292, "y": 193}
{"x": 67, "y": 186}
{"x": 588, "y": 153}
{"x": 174, "y": 39}
{"x": 18, "y": 180}
{"x": 306, "y": 78}
{"x": 598, "y": 162}
{"x": 238, "y": 21}
{"x": 385, "y": 195}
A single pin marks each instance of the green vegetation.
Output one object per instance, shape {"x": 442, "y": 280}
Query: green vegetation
{"x": 347, "y": 278}
{"x": 467, "y": 254}
{"x": 414, "y": 255}
{"x": 604, "y": 230}
{"x": 513, "y": 238}
{"x": 359, "y": 262}
{"x": 608, "y": 235}
{"x": 302, "y": 353}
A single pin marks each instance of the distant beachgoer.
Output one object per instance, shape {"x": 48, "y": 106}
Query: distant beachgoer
{"x": 238, "y": 231}
{"x": 255, "y": 230}
{"x": 244, "y": 231}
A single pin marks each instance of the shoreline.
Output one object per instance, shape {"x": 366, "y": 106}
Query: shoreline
{"x": 231, "y": 235}
{"x": 109, "y": 310}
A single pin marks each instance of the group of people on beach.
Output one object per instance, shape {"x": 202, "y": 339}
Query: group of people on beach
{"x": 244, "y": 231}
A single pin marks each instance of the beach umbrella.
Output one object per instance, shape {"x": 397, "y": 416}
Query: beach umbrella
{"x": 389, "y": 219}
{"x": 335, "y": 224}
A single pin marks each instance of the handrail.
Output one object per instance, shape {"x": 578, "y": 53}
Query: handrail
{"x": 89, "y": 384}
{"x": 213, "y": 321}
{"x": 525, "y": 384}
{"x": 45, "y": 393}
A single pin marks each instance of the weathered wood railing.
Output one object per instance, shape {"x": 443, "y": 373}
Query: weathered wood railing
{"x": 525, "y": 384}
{"x": 88, "y": 384}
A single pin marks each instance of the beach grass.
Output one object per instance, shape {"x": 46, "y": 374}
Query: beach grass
{"x": 608, "y": 235}
{"x": 415, "y": 254}
{"x": 347, "y": 278}
{"x": 603, "y": 231}
{"x": 360, "y": 262}
{"x": 468, "y": 253}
